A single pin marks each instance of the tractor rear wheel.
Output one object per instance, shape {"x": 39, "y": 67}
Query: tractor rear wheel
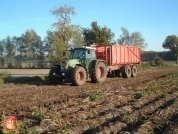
{"x": 52, "y": 78}
{"x": 134, "y": 71}
{"x": 99, "y": 74}
{"x": 79, "y": 76}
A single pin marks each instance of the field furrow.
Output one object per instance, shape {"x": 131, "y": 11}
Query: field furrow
{"x": 143, "y": 104}
{"x": 161, "y": 120}
{"x": 133, "y": 119}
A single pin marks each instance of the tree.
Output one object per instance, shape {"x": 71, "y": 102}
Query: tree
{"x": 150, "y": 55}
{"x": 21, "y": 47}
{"x": 1, "y": 54}
{"x": 40, "y": 49}
{"x": 158, "y": 61}
{"x": 1, "y": 49}
{"x": 97, "y": 34}
{"x": 31, "y": 40}
{"x": 171, "y": 43}
{"x": 19, "y": 50}
{"x": 10, "y": 50}
{"x": 133, "y": 39}
{"x": 64, "y": 35}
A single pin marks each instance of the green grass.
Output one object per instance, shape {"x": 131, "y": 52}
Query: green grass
{"x": 93, "y": 96}
{"x": 1, "y": 81}
{"x": 141, "y": 94}
{"x": 128, "y": 119}
{"x": 146, "y": 65}
{"x": 171, "y": 75}
{"x": 23, "y": 129}
{"x": 37, "y": 114}
{"x": 3, "y": 76}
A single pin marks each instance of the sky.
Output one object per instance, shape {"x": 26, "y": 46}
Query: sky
{"x": 154, "y": 19}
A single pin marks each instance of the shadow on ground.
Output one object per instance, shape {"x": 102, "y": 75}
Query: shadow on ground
{"x": 30, "y": 80}
{"x": 35, "y": 80}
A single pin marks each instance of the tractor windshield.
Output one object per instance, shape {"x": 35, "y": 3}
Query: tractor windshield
{"x": 78, "y": 54}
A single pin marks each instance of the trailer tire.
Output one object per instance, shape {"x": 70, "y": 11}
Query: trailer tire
{"x": 128, "y": 71}
{"x": 78, "y": 76}
{"x": 113, "y": 74}
{"x": 52, "y": 78}
{"x": 99, "y": 74}
{"x": 134, "y": 71}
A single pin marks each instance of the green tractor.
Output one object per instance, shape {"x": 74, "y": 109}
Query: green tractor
{"x": 81, "y": 66}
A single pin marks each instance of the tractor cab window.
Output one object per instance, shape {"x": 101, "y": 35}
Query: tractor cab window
{"x": 79, "y": 53}
{"x": 91, "y": 54}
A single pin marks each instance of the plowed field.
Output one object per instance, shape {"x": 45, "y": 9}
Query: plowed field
{"x": 147, "y": 103}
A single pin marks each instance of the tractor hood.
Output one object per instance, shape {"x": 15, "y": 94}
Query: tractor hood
{"x": 71, "y": 63}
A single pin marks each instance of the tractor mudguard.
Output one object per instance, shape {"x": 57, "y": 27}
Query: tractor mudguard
{"x": 82, "y": 66}
{"x": 95, "y": 63}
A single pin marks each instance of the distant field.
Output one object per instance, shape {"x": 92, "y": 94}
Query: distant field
{"x": 171, "y": 62}
{"x": 26, "y": 72}
{"x": 167, "y": 62}
{"x": 34, "y": 72}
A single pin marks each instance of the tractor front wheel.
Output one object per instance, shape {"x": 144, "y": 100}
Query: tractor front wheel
{"x": 99, "y": 74}
{"x": 79, "y": 76}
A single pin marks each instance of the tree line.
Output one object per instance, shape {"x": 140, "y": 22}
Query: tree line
{"x": 31, "y": 51}
{"x": 151, "y": 55}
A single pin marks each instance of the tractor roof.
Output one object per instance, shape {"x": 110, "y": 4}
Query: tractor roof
{"x": 86, "y": 47}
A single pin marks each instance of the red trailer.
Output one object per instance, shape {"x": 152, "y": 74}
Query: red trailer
{"x": 120, "y": 59}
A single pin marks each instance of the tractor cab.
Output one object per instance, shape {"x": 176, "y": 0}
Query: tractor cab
{"x": 82, "y": 53}
{"x": 85, "y": 56}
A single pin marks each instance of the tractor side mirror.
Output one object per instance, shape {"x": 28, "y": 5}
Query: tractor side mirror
{"x": 88, "y": 51}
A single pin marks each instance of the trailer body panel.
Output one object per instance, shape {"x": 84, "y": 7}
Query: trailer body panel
{"x": 118, "y": 55}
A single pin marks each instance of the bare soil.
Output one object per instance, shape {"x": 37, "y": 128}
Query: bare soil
{"x": 146, "y": 103}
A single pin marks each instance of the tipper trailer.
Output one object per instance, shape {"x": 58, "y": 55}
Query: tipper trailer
{"x": 96, "y": 63}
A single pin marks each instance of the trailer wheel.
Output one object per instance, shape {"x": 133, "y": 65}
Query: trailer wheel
{"x": 52, "y": 78}
{"x": 134, "y": 71}
{"x": 99, "y": 74}
{"x": 78, "y": 76}
{"x": 113, "y": 74}
{"x": 128, "y": 72}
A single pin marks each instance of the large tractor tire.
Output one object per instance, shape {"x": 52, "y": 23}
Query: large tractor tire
{"x": 78, "y": 76}
{"x": 134, "y": 71}
{"x": 52, "y": 78}
{"x": 128, "y": 71}
{"x": 99, "y": 74}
